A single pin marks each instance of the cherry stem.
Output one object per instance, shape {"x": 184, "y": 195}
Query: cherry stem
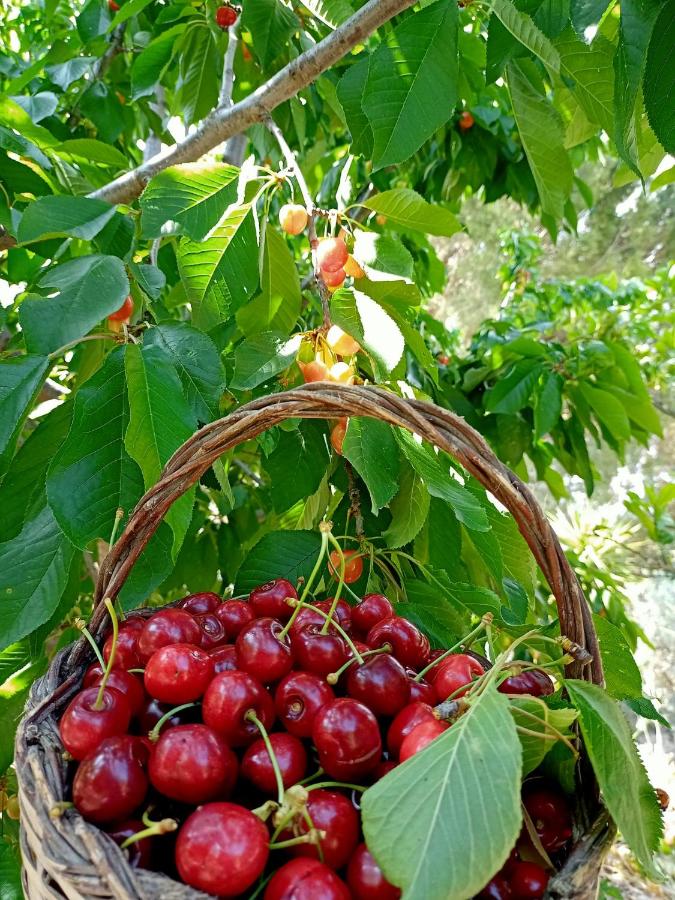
{"x": 471, "y": 636}
{"x": 332, "y": 677}
{"x": 113, "y": 652}
{"x": 265, "y": 811}
{"x": 338, "y": 591}
{"x": 153, "y": 734}
{"x": 325, "y": 531}
{"x": 94, "y": 646}
{"x": 311, "y": 837}
{"x": 337, "y": 784}
{"x": 119, "y": 515}
{"x": 555, "y": 734}
{"x": 164, "y": 826}
{"x": 336, "y": 625}
{"x": 309, "y": 778}
{"x": 252, "y": 717}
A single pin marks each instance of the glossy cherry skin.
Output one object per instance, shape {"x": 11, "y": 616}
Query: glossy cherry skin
{"x": 347, "y": 737}
{"x": 226, "y": 16}
{"x": 227, "y": 700}
{"x": 455, "y": 672}
{"x": 306, "y": 616}
{"x": 178, "y": 673}
{"x": 421, "y": 690}
{"x": 212, "y": 630}
{"x": 192, "y": 764}
{"x": 420, "y": 737}
{"x": 353, "y": 559}
{"x": 152, "y": 711}
{"x": 127, "y": 655}
{"x": 298, "y": 698}
{"x": 168, "y": 626}
{"x": 234, "y": 614}
{"x": 498, "y": 888}
{"x": 335, "y": 814}
{"x": 83, "y": 727}
{"x": 263, "y": 652}
{"x": 291, "y": 757}
{"x": 306, "y": 879}
{"x": 110, "y": 782}
{"x": 408, "y": 718}
{"x": 381, "y": 683}
{"x": 138, "y": 853}
{"x": 528, "y": 881}
{"x": 535, "y": 682}
{"x": 409, "y": 645}
{"x": 318, "y": 653}
{"x": 224, "y": 658}
{"x": 342, "y": 614}
{"x": 124, "y": 682}
{"x": 371, "y": 610}
{"x": 366, "y": 880}
{"x": 550, "y": 815}
{"x": 384, "y": 767}
{"x": 206, "y": 602}
{"x": 270, "y": 599}
{"x": 222, "y": 849}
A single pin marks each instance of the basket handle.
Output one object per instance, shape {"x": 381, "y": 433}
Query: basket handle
{"x": 323, "y": 400}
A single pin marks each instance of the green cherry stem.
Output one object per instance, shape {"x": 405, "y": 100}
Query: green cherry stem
{"x": 94, "y": 646}
{"x": 113, "y": 652}
{"x": 153, "y": 734}
{"x": 119, "y": 515}
{"x": 324, "y": 528}
{"x": 251, "y": 716}
{"x": 338, "y": 590}
{"x": 310, "y": 837}
{"x": 340, "y": 630}
{"x": 164, "y": 826}
{"x": 337, "y": 784}
{"x": 471, "y": 636}
{"x": 333, "y": 677}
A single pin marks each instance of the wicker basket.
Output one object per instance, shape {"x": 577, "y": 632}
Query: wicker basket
{"x": 63, "y": 855}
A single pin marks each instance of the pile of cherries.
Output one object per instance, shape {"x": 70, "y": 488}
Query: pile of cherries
{"x": 227, "y": 742}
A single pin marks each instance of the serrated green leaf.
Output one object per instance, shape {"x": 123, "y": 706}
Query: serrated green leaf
{"x": 197, "y": 85}
{"x": 512, "y": 392}
{"x": 261, "y": 357}
{"x": 21, "y": 378}
{"x": 370, "y": 447}
{"x": 52, "y": 216}
{"x": 270, "y": 24}
{"x": 622, "y": 676}
{"x": 92, "y": 151}
{"x": 350, "y": 92}
{"x": 524, "y": 29}
{"x": 382, "y": 256}
{"x": 440, "y": 616}
{"x": 409, "y": 509}
{"x": 590, "y": 72}
{"x": 277, "y": 307}
{"x": 149, "y": 65}
{"x": 303, "y": 452}
{"x": 330, "y": 12}
{"x": 127, "y": 11}
{"x": 279, "y": 554}
{"x": 407, "y": 208}
{"x": 366, "y": 321}
{"x": 547, "y": 404}
{"x": 608, "y": 410}
{"x": 586, "y": 13}
{"x": 538, "y": 717}
{"x": 93, "y": 20}
{"x": 659, "y": 78}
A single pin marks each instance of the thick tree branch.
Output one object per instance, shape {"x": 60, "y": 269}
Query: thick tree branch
{"x": 224, "y": 122}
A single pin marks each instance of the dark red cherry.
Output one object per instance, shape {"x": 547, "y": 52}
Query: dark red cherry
{"x": 134, "y": 621}
{"x": 498, "y": 888}
{"x": 528, "y": 881}
{"x": 168, "y": 626}
{"x": 192, "y": 764}
{"x": 197, "y": 604}
{"x": 222, "y": 848}
{"x": 409, "y": 645}
{"x": 316, "y": 652}
{"x": 298, "y": 698}
{"x": 306, "y": 879}
{"x": 270, "y": 599}
{"x": 127, "y": 655}
{"x": 224, "y": 658}
{"x": 342, "y": 614}
{"x": 307, "y": 616}
{"x": 550, "y": 815}
{"x": 371, "y": 610}
{"x": 534, "y": 681}
{"x": 110, "y": 782}
{"x": 178, "y": 673}
{"x": 152, "y": 711}
{"x": 263, "y": 652}
{"x": 456, "y": 671}
{"x": 138, "y": 853}
{"x": 291, "y": 757}
{"x": 212, "y": 631}
{"x": 83, "y": 726}
{"x": 384, "y": 767}
{"x": 407, "y": 719}
{"x": 234, "y": 614}
{"x": 334, "y": 814}
{"x": 347, "y": 737}
{"x": 421, "y": 691}
{"x": 420, "y": 737}
{"x": 361, "y": 646}
{"x": 125, "y": 682}
{"x": 366, "y": 880}
{"x": 381, "y": 683}
{"x": 435, "y": 654}
{"x": 227, "y": 700}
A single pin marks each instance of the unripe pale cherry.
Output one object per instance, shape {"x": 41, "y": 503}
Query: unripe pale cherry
{"x": 341, "y": 373}
{"x": 333, "y": 278}
{"x": 332, "y": 254}
{"x": 340, "y": 342}
{"x": 293, "y": 218}
{"x": 353, "y": 269}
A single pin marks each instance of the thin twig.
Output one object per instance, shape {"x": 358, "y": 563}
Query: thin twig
{"x": 355, "y": 500}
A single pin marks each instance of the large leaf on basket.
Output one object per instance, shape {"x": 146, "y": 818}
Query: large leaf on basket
{"x": 442, "y": 823}
{"x": 370, "y": 447}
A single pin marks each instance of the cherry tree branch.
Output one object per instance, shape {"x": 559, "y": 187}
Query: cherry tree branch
{"x": 224, "y": 122}
{"x": 227, "y": 84}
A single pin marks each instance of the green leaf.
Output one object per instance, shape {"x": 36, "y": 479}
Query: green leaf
{"x": 412, "y": 83}
{"x": 516, "y": 557}
{"x": 261, "y": 357}
{"x": 538, "y": 717}
{"x": 89, "y": 288}
{"x": 442, "y": 618}
{"x": 197, "y": 362}
{"x": 302, "y": 452}
{"x": 586, "y": 13}
{"x": 622, "y": 676}
{"x": 90, "y": 150}
{"x": 382, "y": 256}
{"x": 523, "y": 29}
{"x": 277, "y": 307}
{"x": 461, "y": 792}
{"x": 150, "y": 279}
{"x": 541, "y": 132}
{"x": 623, "y": 781}
{"x": 350, "y": 91}
{"x": 512, "y": 392}
{"x": 407, "y": 208}
{"x": 150, "y": 569}
{"x": 547, "y": 404}
{"x": 129, "y": 9}
{"x": 160, "y": 421}
{"x": 279, "y": 554}
{"x": 52, "y": 216}
{"x": 150, "y": 64}
{"x": 21, "y": 379}
{"x": 370, "y": 447}
{"x": 197, "y": 85}
{"x": 409, "y": 509}
{"x": 270, "y": 24}
{"x": 330, "y": 12}
{"x": 659, "y": 78}
{"x": 10, "y": 873}
{"x": 608, "y": 409}
{"x": 590, "y": 72}
{"x": 93, "y": 20}
{"x": 194, "y": 194}
{"x": 221, "y": 273}
{"x": 371, "y": 326}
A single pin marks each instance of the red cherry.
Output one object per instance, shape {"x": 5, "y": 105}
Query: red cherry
{"x": 342, "y": 614}
{"x": 127, "y": 655}
{"x": 306, "y": 879}
{"x": 222, "y": 849}
{"x": 353, "y": 565}
{"x": 206, "y": 602}
{"x": 306, "y": 616}
{"x": 535, "y": 682}
{"x": 152, "y": 711}
{"x": 270, "y": 599}
{"x": 226, "y": 16}
{"x": 384, "y": 767}
{"x": 334, "y": 814}
{"x": 178, "y": 673}
{"x": 421, "y": 690}
{"x": 456, "y": 671}
{"x": 371, "y": 610}
{"x": 291, "y": 757}
{"x": 497, "y": 888}
{"x": 381, "y": 683}
{"x": 332, "y": 254}
{"x": 113, "y": 6}
{"x": 347, "y": 737}
{"x": 168, "y": 626}
{"x": 298, "y": 699}
{"x": 212, "y": 631}
{"x": 263, "y": 652}
{"x": 134, "y": 621}
{"x": 528, "y": 881}
{"x": 420, "y": 737}
{"x": 366, "y": 879}
{"x": 110, "y": 782}
{"x": 318, "y": 653}
{"x": 227, "y": 700}
{"x": 234, "y": 614}
{"x": 138, "y": 853}
{"x": 83, "y": 726}
{"x": 409, "y": 645}
{"x": 466, "y": 120}
{"x": 190, "y": 763}
{"x": 224, "y": 658}
{"x": 337, "y": 435}
{"x": 409, "y": 717}
{"x": 550, "y": 815}
{"x": 333, "y": 279}
{"x": 125, "y": 312}
{"x": 124, "y": 682}
{"x": 443, "y": 359}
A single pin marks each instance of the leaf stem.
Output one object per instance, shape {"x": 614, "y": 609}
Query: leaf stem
{"x": 101, "y": 336}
